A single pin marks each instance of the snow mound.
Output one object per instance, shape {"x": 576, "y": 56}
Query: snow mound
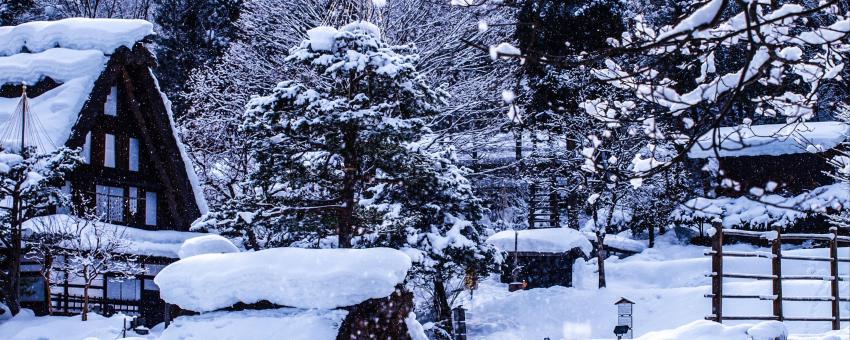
{"x": 293, "y": 277}
{"x": 770, "y": 139}
{"x": 296, "y": 324}
{"x": 322, "y": 38}
{"x": 549, "y": 240}
{"x": 207, "y": 244}
{"x": 104, "y": 35}
{"x": 365, "y": 26}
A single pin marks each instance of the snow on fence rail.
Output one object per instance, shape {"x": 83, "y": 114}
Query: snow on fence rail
{"x": 775, "y": 237}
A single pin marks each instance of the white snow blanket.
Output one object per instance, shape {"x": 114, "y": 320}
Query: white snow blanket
{"x": 72, "y": 52}
{"x": 293, "y": 277}
{"x": 548, "y": 240}
{"x": 26, "y": 326}
{"x": 770, "y": 139}
{"x": 104, "y": 35}
{"x": 289, "y": 323}
{"x": 207, "y": 244}
{"x": 768, "y": 210}
{"x": 163, "y": 243}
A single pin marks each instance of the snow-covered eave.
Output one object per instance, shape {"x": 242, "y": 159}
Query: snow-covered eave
{"x": 197, "y": 190}
{"x": 768, "y": 210}
{"x": 770, "y": 139}
{"x": 548, "y": 240}
{"x": 139, "y": 242}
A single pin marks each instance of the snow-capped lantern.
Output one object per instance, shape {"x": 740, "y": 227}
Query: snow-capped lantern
{"x": 623, "y": 330}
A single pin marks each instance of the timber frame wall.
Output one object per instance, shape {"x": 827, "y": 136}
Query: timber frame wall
{"x": 775, "y": 238}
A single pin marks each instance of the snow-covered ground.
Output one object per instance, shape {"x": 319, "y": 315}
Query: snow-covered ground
{"x": 667, "y": 283}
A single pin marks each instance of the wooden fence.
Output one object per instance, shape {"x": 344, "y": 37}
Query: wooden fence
{"x": 775, "y": 239}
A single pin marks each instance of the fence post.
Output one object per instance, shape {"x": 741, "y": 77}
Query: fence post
{"x": 776, "y": 249}
{"x": 833, "y": 271}
{"x": 717, "y": 272}
{"x": 459, "y": 317}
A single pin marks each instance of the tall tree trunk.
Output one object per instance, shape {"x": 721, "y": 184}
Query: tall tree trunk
{"x": 600, "y": 257}
{"x": 345, "y": 224}
{"x": 47, "y": 267}
{"x": 85, "y": 314}
{"x": 13, "y": 290}
{"x": 442, "y": 310}
{"x": 651, "y": 235}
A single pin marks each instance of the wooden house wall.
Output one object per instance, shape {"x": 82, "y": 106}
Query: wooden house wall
{"x": 141, "y": 114}
{"x": 795, "y": 173}
{"x": 540, "y": 270}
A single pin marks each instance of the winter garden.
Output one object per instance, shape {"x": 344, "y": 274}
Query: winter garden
{"x": 424, "y": 169}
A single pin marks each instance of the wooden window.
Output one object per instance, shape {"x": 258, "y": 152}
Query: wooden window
{"x": 109, "y": 151}
{"x": 126, "y": 289}
{"x": 133, "y": 164}
{"x": 110, "y": 108}
{"x": 110, "y": 203}
{"x": 87, "y": 149}
{"x": 150, "y": 208}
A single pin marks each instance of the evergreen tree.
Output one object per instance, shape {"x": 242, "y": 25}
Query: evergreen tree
{"x": 14, "y": 12}
{"x": 345, "y": 151}
{"x": 191, "y": 33}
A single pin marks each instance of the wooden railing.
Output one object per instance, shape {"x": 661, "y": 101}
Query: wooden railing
{"x": 775, "y": 238}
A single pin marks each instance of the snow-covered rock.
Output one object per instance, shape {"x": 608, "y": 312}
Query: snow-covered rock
{"x": 549, "y": 240}
{"x": 293, "y": 277}
{"x": 289, "y": 323}
{"x": 207, "y": 244}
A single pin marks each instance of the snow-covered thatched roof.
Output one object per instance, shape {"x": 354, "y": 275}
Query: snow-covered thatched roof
{"x": 72, "y": 52}
{"x": 770, "y": 139}
{"x": 547, "y": 240}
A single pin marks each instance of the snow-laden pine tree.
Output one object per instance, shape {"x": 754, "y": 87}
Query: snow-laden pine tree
{"x": 343, "y": 154}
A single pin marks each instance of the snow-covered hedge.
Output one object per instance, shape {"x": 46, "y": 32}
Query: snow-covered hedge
{"x": 550, "y": 240}
{"x": 293, "y": 277}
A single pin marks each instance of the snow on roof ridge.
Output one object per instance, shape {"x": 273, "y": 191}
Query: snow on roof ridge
{"x": 772, "y": 139}
{"x": 104, "y": 35}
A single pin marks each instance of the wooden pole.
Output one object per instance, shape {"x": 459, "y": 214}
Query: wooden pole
{"x": 717, "y": 272}
{"x": 833, "y": 270}
{"x": 776, "y": 248}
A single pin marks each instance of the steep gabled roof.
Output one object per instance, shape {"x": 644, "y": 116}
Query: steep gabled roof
{"x": 72, "y": 52}
{"x": 79, "y": 59}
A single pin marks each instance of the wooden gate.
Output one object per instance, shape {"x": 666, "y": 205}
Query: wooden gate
{"x": 775, "y": 238}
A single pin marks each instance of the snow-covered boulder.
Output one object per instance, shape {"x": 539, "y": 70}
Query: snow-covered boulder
{"x": 293, "y": 277}
{"x": 549, "y": 240}
{"x": 207, "y": 244}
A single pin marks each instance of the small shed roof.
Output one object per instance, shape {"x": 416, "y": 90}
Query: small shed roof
{"x": 623, "y": 300}
{"x": 770, "y": 139}
{"x": 549, "y": 240}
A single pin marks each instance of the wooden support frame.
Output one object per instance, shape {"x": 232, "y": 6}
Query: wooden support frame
{"x": 776, "y": 276}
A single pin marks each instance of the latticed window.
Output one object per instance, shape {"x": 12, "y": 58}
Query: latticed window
{"x": 110, "y": 203}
